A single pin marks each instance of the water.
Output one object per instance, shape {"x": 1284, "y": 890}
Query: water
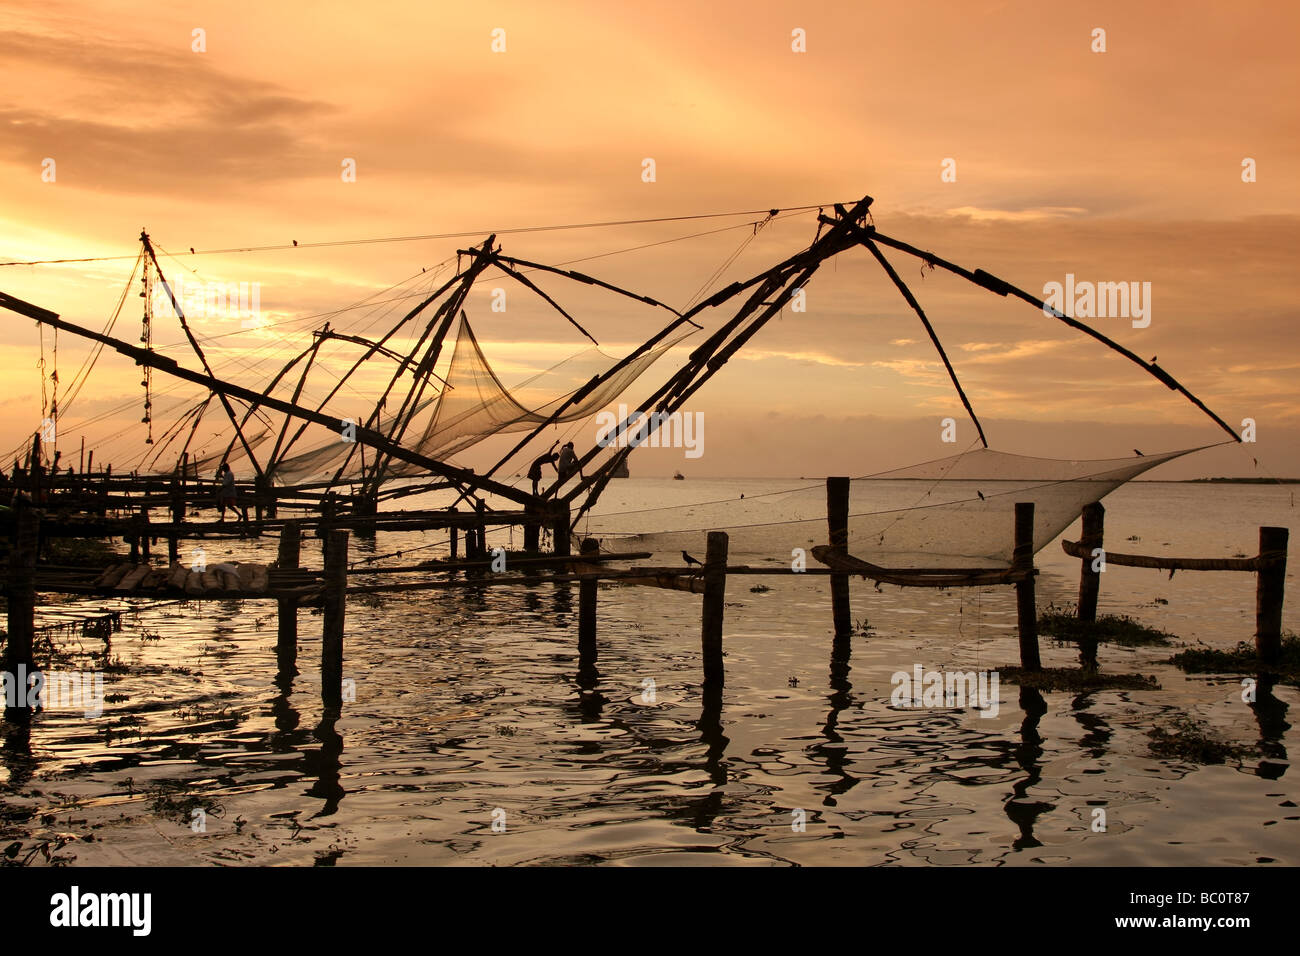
{"x": 470, "y": 709}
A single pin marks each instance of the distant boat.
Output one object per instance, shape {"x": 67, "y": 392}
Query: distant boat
{"x": 678, "y": 476}
{"x": 621, "y": 471}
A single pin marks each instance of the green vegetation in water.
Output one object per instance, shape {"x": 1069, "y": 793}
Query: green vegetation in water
{"x": 176, "y": 802}
{"x": 1073, "y": 679}
{"x": 1187, "y": 739}
{"x": 1242, "y": 659}
{"x": 1062, "y": 624}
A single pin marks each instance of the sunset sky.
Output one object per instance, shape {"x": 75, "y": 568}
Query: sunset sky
{"x": 1122, "y": 165}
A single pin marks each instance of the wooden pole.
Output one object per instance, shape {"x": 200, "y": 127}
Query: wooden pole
{"x": 1093, "y": 536}
{"x": 21, "y": 594}
{"x": 715, "y": 587}
{"x": 532, "y": 529}
{"x": 1022, "y": 559}
{"x": 336, "y": 596}
{"x": 560, "y": 527}
{"x": 480, "y": 529}
{"x": 837, "y": 521}
{"x": 35, "y": 470}
{"x": 587, "y": 610}
{"x": 1094, "y": 532}
{"x": 286, "y": 641}
{"x": 1269, "y": 592}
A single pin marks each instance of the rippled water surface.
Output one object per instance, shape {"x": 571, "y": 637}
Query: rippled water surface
{"x": 471, "y": 709}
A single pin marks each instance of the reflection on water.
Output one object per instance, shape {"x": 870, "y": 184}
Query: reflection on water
{"x": 475, "y": 707}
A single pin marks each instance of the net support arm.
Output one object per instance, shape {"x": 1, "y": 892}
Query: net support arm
{"x": 916, "y": 307}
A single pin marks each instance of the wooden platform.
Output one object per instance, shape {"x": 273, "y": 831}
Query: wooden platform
{"x": 217, "y": 580}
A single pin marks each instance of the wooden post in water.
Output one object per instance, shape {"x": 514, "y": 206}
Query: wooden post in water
{"x": 560, "y": 528}
{"x": 1022, "y": 559}
{"x": 837, "y": 521}
{"x": 286, "y": 641}
{"x": 336, "y": 597}
{"x": 144, "y": 534}
{"x": 21, "y": 595}
{"x": 133, "y": 536}
{"x": 480, "y": 527}
{"x": 455, "y": 541}
{"x": 587, "y": 610}
{"x": 532, "y": 529}
{"x": 1270, "y": 589}
{"x": 34, "y": 471}
{"x": 178, "y": 515}
{"x": 715, "y": 588}
{"x": 1094, "y": 532}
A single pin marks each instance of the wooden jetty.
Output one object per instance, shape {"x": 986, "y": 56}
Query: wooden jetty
{"x": 292, "y": 586}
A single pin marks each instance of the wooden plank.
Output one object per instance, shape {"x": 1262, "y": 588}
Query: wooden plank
{"x": 261, "y": 579}
{"x": 913, "y": 577}
{"x": 176, "y": 576}
{"x": 1077, "y": 550}
{"x": 113, "y": 575}
{"x": 194, "y": 583}
{"x": 133, "y": 578}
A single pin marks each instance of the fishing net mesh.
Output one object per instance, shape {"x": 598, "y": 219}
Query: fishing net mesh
{"x": 473, "y": 404}
{"x": 954, "y": 512}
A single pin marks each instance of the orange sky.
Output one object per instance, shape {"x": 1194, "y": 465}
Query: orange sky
{"x": 1115, "y": 166}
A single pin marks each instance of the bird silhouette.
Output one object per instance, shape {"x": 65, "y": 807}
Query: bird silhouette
{"x": 1137, "y": 452}
{"x": 1153, "y": 360}
{"x": 295, "y": 242}
{"x": 191, "y": 249}
{"x": 689, "y": 560}
{"x": 981, "y": 494}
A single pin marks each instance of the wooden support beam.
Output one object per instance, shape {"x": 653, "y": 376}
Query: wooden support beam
{"x": 335, "y": 601}
{"x": 1093, "y": 537}
{"x": 532, "y": 529}
{"x": 1269, "y": 593}
{"x": 587, "y": 609}
{"x": 1094, "y": 532}
{"x": 1022, "y": 559}
{"x": 560, "y": 527}
{"x": 286, "y": 641}
{"x": 715, "y": 588}
{"x": 837, "y": 521}
{"x": 171, "y": 367}
{"x": 21, "y": 597}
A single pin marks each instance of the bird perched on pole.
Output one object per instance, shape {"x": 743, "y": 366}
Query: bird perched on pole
{"x": 689, "y": 560}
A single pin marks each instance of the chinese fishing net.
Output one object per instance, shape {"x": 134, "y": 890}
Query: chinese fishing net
{"x": 474, "y": 404}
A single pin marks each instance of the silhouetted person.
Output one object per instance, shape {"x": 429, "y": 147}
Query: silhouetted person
{"x": 535, "y": 469}
{"x": 227, "y": 495}
{"x": 568, "y": 463}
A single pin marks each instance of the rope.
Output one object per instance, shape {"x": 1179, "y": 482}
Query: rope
{"x": 517, "y": 230}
